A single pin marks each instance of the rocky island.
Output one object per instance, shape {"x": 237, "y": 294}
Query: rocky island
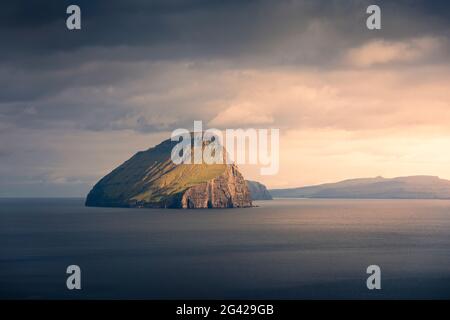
{"x": 150, "y": 179}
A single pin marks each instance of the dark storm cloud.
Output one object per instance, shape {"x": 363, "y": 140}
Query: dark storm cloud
{"x": 191, "y": 29}
{"x": 48, "y": 73}
{"x": 196, "y": 26}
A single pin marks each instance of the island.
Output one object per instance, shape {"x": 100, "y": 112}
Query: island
{"x": 150, "y": 179}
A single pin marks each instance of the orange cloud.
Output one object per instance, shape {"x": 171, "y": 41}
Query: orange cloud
{"x": 380, "y": 51}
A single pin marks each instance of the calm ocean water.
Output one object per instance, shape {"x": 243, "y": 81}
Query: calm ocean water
{"x": 282, "y": 249}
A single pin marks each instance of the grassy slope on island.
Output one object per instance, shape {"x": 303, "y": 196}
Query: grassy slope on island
{"x": 152, "y": 177}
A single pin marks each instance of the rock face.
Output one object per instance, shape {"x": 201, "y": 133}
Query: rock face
{"x": 258, "y": 191}
{"x": 226, "y": 191}
{"x": 151, "y": 179}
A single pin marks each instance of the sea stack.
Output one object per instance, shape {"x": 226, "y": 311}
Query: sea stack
{"x": 150, "y": 179}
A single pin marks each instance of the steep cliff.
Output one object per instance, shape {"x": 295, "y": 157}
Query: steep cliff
{"x": 151, "y": 179}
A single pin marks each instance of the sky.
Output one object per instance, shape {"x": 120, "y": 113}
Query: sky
{"x": 349, "y": 102}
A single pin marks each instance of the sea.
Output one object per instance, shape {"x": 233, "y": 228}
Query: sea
{"x": 280, "y": 249}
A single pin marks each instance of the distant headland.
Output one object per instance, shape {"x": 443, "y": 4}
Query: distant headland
{"x": 412, "y": 187}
